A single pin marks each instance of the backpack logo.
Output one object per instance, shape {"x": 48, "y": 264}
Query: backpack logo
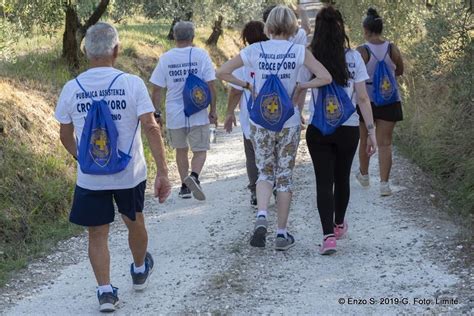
{"x": 333, "y": 109}
{"x": 271, "y": 108}
{"x": 386, "y": 90}
{"x": 199, "y": 96}
{"x": 100, "y": 147}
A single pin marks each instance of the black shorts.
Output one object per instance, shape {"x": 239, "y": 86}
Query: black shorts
{"x": 95, "y": 208}
{"x": 392, "y": 112}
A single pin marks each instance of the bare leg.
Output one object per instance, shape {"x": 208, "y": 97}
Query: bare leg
{"x": 364, "y": 159}
{"x": 99, "y": 255}
{"x": 384, "y": 133}
{"x": 283, "y": 206}
{"x": 137, "y": 238}
{"x": 264, "y": 192}
{"x": 197, "y": 163}
{"x": 182, "y": 161}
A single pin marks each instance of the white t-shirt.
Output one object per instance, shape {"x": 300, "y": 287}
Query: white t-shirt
{"x": 244, "y": 74}
{"x": 300, "y": 37}
{"x": 128, "y": 99}
{"x": 275, "y": 50}
{"x": 357, "y": 73}
{"x": 171, "y": 73}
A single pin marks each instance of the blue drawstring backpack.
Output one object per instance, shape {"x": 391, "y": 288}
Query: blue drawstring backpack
{"x": 273, "y": 106}
{"x": 384, "y": 83}
{"x": 196, "y": 93}
{"x": 332, "y": 108}
{"x": 98, "y": 151}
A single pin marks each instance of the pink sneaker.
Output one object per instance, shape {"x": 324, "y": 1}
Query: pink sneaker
{"x": 328, "y": 247}
{"x": 340, "y": 230}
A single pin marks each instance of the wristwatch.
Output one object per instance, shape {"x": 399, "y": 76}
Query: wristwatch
{"x": 157, "y": 114}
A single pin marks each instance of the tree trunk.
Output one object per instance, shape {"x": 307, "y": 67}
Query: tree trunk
{"x": 74, "y": 32}
{"x": 216, "y": 31}
{"x": 70, "y": 44}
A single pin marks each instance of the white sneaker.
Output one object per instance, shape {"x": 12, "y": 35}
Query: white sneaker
{"x": 363, "y": 179}
{"x": 385, "y": 189}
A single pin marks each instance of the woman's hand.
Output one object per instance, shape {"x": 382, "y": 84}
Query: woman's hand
{"x": 371, "y": 144}
{"x": 229, "y": 122}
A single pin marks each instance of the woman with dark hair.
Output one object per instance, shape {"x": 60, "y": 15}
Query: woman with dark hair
{"x": 253, "y": 32}
{"x": 375, "y": 49}
{"x": 332, "y": 154}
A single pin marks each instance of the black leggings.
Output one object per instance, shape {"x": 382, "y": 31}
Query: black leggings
{"x": 332, "y": 157}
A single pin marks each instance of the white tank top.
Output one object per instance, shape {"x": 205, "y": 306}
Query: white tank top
{"x": 379, "y": 50}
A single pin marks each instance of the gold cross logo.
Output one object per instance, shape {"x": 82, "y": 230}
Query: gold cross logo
{"x": 331, "y": 107}
{"x": 386, "y": 85}
{"x": 272, "y": 106}
{"x": 101, "y": 142}
{"x": 199, "y": 95}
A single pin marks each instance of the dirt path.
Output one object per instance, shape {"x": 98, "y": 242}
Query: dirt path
{"x": 398, "y": 249}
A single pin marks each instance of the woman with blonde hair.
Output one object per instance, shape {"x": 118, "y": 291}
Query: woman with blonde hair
{"x": 275, "y": 121}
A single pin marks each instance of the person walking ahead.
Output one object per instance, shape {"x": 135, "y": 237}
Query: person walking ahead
{"x": 127, "y": 106}
{"x": 275, "y": 147}
{"x": 253, "y": 32}
{"x": 332, "y": 153}
{"x": 185, "y": 131}
{"x": 375, "y": 50}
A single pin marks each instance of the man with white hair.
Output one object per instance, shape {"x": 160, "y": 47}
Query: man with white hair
{"x": 184, "y": 132}
{"x": 130, "y": 108}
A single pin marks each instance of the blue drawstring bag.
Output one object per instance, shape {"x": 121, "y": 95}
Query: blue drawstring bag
{"x": 98, "y": 151}
{"x": 273, "y": 106}
{"x": 384, "y": 83}
{"x": 196, "y": 93}
{"x": 332, "y": 108}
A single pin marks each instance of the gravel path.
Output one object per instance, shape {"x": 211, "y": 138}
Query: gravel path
{"x": 399, "y": 249}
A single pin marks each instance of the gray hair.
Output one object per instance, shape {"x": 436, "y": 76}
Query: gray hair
{"x": 183, "y": 31}
{"x": 100, "y": 41}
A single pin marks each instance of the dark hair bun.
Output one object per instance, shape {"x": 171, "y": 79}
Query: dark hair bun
{"x": 372, "y": 12}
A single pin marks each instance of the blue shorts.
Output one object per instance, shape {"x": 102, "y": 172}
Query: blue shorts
{"x": 96, "y": 207}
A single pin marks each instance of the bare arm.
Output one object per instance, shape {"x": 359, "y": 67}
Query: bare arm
{"x": 232, "y": 101}
{"x": 396, "y": 56}
{"x": 363, "y": 101}
{"x": 213, "y": 110}
{"x": 226, "y": 70}
{"x": 156, "y": 96}
{"x": 153, "y": 133}
{"x": 304, "y": 19}
{"x": 363, "y": 52}
{"x": 322, "y": 76}
{"x": 66, "y": 134}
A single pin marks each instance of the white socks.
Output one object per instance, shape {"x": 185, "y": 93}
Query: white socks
{"x": 138, "y": 269}
{"x": 282, "y": 231}
{"x": 262, "y": 213}
{"x": 105, "y": 289}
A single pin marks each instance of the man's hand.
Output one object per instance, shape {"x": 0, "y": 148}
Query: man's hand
{"x": 162, "y": 188}
{"x": 229, "y": 122}
{"x": 213, "y": 117}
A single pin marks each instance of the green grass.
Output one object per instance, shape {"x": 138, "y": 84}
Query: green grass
{"x": 35, "y": 192}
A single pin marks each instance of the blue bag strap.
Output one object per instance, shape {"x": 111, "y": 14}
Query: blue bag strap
{"x": 284, "y": 58}
{"x": 264, "y": 55}
{"x": 190, "y": 52}
{"x": 133, "y": 139}
{"x": 388, "y": 50}
{"x": 113, "y": 81}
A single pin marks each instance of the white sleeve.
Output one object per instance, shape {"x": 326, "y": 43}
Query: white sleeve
{"x": 158, "y": 77}
{"x": 64, "y": 106}
{"x": 208, "y": 71}
{"x": 304, "y": 75}
{"x": 239, "y": 74}
{"x": 142, "y": 97}
{"x": 246, "y": 55}
{"x": 300, "y": 37}
{"x": 360, "y": 69}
